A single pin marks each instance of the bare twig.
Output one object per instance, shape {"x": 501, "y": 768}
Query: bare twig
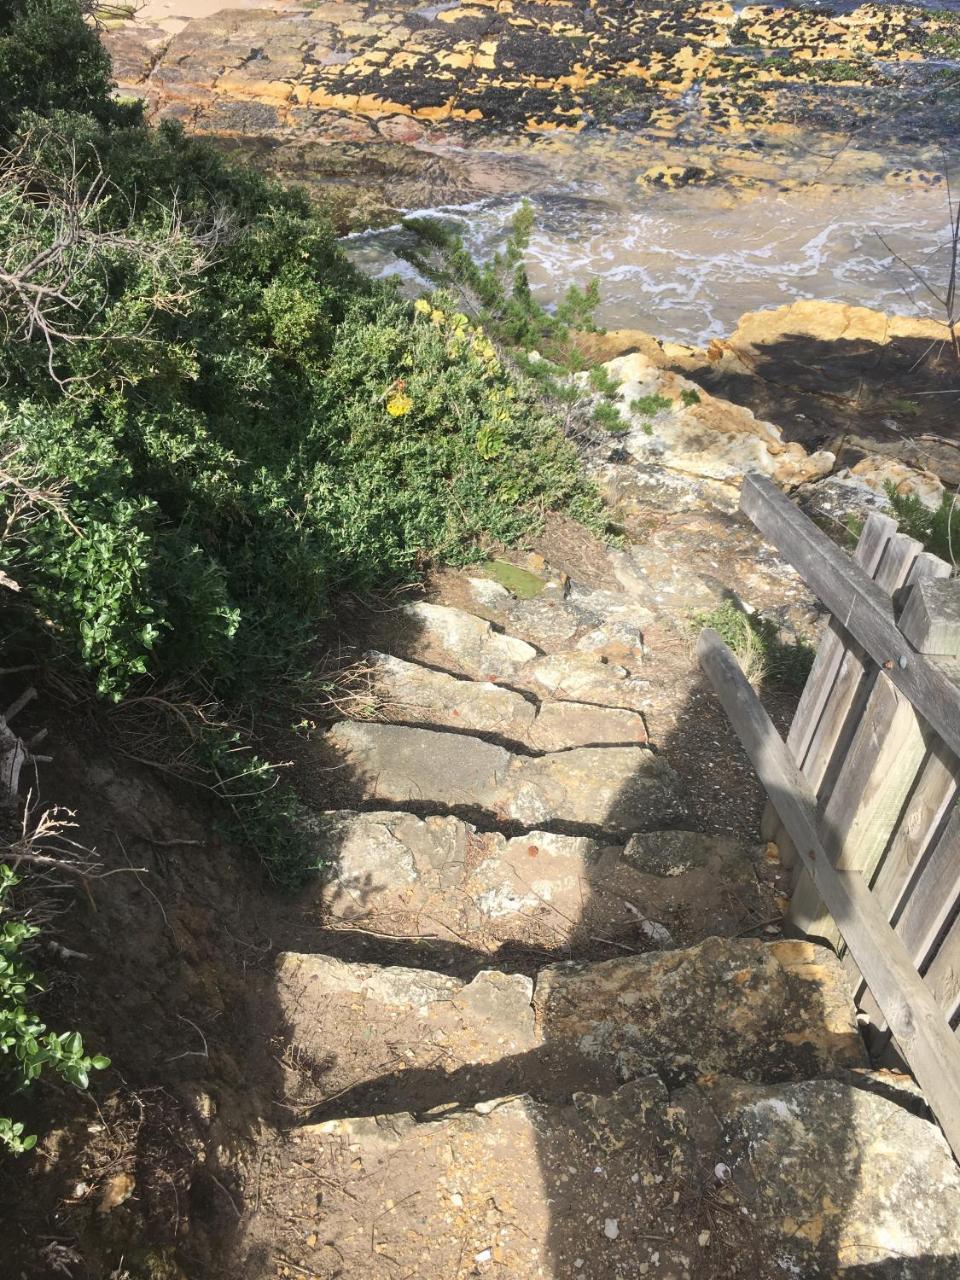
{"x": 65, "y": 243}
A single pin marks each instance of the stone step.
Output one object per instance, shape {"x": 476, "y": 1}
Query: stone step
{"x": 618, "y": 790}
{"x": 395, "y": 1037}
{"x": 583, "y": 677}
{"x": 439, "y": 878}
{"x": 602, "y": 625}
{"x": 414, "y": 694}
{"x": 580, "y": 619}
{"x": 723, "y": 1178}
{"x": 457, "y": 641}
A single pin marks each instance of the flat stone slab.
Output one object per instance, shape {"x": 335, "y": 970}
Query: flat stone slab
{"x": 414, "y": 694}
{"x": 353, "y": 1023}
{"x": 388, "y": 1037}
{"x": 763, "y": 1011}
{"x": 617, "y": 790}
{"x": 440, "y": 878}
{"x": 459, "y": 641}
{"x": 811, "y": 1179}
{"x": 561, "y": 725}
{"x": 585, "y": 677}
{"x": 585, "y": 620}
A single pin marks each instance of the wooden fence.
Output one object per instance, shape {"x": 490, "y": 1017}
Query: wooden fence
{"x": 863, "y": 795}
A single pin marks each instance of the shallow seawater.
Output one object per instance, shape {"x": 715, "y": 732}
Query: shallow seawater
{"x": 686, "y": 265}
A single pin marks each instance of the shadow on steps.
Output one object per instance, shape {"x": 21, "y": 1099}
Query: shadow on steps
{"x": 686, "y": 1175}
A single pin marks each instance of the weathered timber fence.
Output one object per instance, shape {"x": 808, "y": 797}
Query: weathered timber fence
{"x": 863, "y": 795}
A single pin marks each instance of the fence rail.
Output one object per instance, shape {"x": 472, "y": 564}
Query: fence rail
{"x": 863, "y": 795}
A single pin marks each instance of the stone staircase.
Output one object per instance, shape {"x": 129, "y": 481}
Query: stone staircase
{"x": 576, "y": 1045}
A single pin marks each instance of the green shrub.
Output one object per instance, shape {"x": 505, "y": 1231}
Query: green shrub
{"x": 763, "y": 653}
{"x": 242, "y": 425}
{"x": 607, "y": 416}
{"x": 27, "y": 1048}
{"x": 50, "y": 59}
{"x": 938, "y": 530}
{"x": 602, "y": 381}
{"x": 498, "y": 292}
{"x": 652, "y": 404}
{"x": 270, "y": 431}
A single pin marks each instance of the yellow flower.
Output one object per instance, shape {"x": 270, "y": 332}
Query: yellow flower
{"x": 437, "y": 316}
{"x": 399, "y": 404}
{"x": 423, "y": 306}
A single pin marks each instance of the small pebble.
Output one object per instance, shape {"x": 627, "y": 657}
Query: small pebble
{"x": 611, "y": 1228}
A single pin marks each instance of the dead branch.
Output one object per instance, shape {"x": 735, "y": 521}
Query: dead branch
{"x": 945, "y": 295}
{"x": 64, "y": 243}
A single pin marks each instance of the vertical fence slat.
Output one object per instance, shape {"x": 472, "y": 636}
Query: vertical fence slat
{"x": 943, "y": 976}
{"x": 937, "y": 781}
{"x": 922, "y": 818}
{"x": 928, "y": 902}
{"x": 852, "y": 687}
{"x": 832, "y": 740}
{"x": 933, "y": 898}
{"x": 874, "y": 537}
{"x": 876, "y": 534}
{"x": 877, "y": 774}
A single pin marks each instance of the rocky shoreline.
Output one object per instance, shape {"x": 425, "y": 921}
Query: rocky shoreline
{"x": 380, "y": 106}
{"x": 824, "y": 398}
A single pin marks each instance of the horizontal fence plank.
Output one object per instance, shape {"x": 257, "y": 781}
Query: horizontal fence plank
{"x": 916, "y": 1021}
{"x": 863, "y": 608}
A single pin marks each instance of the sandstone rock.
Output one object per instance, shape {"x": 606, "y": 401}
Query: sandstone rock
{"x": 598, "y": 348}
{"x": 842, "y": 1179}
{"x": 403, "y": 1033}
{"x": 439, "y": 877}
{"x": 460, "y": 641}
{"x": 858, "y": 490}
{"x": 585, "y": 677}
{"x": 423, "y": 75}
{"x": 818, "y": 1179}
{"x": 564, "y": 614}
{"x": 352, "y": 1023}
{"x": 487, "y": 592}
{"x": 878, "y": 472}
{"x": 416, "y": 694}
{"x": 613, "y": 789}
{"x": 828, "y": 322}
{"x": 702, "y": 436}
{"x": 839, "y": 497}
{"x": 691, "y": 551}
{"x": 766, "y": 1011}
{"x": 561, "y": 725}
